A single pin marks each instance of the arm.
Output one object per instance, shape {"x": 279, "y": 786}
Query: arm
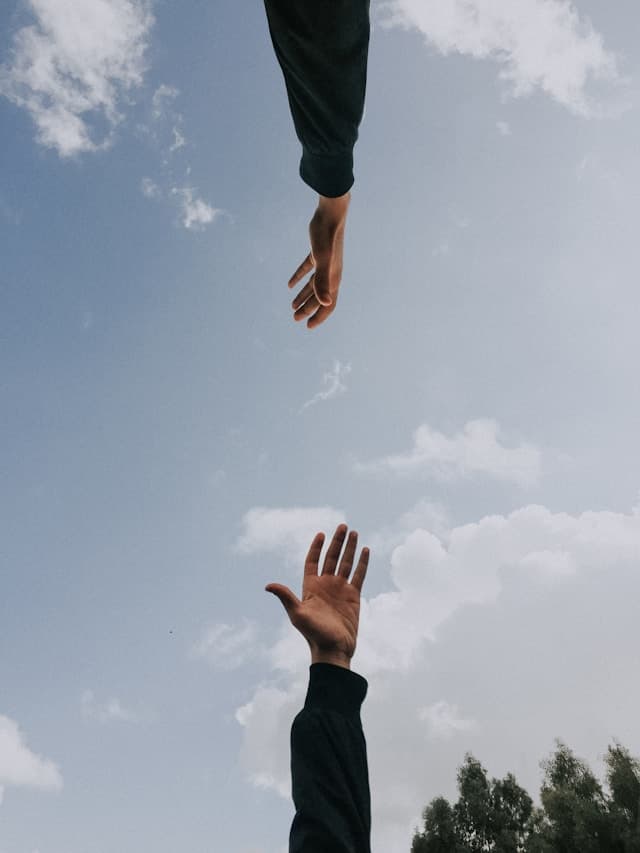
{"x": 322, "y": 48}
{"x": 330, "y": 779}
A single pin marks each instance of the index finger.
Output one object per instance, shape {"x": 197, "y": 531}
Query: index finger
{"x": 306, "y": 266}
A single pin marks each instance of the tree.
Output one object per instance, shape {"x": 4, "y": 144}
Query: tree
{"x": 623, "y": 779}
{"x": 440, "y": 835}
{"x": 576, "y": 816}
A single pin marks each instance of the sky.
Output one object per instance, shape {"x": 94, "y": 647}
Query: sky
{"x": 171, "y": 440}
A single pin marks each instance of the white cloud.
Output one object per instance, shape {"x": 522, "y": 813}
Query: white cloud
{"x": 226, "y": 647}
{"x": 504, "y": 128}
{"x": 287, "y": 530}
{"x": 475, "y": 450}
{"x": 540, "y": 44}
{"x": 196, "y": 213}
{"x": 333, "y": 384}
{"x": 105, "y": 712}
{"x": 149, "y": 188}
{"x": 161, "y": 99}
{"x": 19, "y": 766}
{"x": 74, "y": 64}
{"x": 443, "y": 721}
{"x": 179, "y": 139}
{"x": 496, "y": 638}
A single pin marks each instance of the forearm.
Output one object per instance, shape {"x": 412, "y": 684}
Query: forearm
{"x": 322, "y": 49}
{"x": 330, "y": 780}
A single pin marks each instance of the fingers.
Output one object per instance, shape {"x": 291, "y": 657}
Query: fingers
{"x": 305, "y": 295}
{"x": 313, "y": 555}
{"x": 361, "y": 570}
{"x": 333, "y": 552}
{"x": 321, "y": 289}
{"x": 346, "y": 563}
{"x": 287, "y": 598}
{"x": 306, "y": 266}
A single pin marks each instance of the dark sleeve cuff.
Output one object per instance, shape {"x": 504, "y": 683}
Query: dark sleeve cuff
{"x": 330, "y": 175}
{"x": 335, "y": 688}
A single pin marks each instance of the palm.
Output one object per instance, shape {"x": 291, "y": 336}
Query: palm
{"x": 327, "y": 615}
{"x": 329, "y": 612}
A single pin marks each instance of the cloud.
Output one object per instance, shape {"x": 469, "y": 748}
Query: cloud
{"x": 504, "y": 128}
{"x": 162, "y": 97}
{"x": 196, "y": 213}
{"x": 475, "y": 450}
{"x": 287, "y": 531}
{"x": 443, "y": 721}
{"x": 105, "y": 712}
{"x": 71, "y": 69}
{"x": 226, "y": 647}
{"x": 540, "y": 44}
{"x": 496, "y": 638}
{"x": 149, "y": 188}
{"x": 333, "y": 384}
{"x": 19, "y": 766}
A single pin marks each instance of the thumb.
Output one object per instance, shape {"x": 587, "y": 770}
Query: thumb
{"x": 321, "y": 289}
{"x": 287, "y": 598}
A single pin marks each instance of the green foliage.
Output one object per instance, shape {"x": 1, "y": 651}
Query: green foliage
{"x": 499, "y": 816}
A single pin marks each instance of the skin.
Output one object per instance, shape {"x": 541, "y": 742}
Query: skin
{"x": 328, "y": 614}
{"x": 317, "y": 299}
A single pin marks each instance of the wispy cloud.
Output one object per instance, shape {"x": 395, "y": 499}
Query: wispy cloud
{"x": 541, "y": 44}
{"x": 149, "y": 188}
{"x": 72, "y": 64}
{"x": 333, "y": 384}
{"x": 19, "y": 766}
{"x": 443, "y": 720}
{"x": 475, "y": 450}
{"x": 108, "y": 711}
{"x": 227, "y": 647}
{"x": 196, "y": 213}
{"x": 504, "y": 128}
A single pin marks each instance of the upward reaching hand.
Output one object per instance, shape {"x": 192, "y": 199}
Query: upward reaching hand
{"x": 329, "y": 611}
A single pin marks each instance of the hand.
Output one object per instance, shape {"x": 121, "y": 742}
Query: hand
{"x": 328, "y": 614}
{"x": 317, "y": 299}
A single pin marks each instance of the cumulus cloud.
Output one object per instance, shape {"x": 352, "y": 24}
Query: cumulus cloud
{"x": 475, "y": 450}
{"x": 541, "y": 44}
{"x": 196, "y": 213}
{"x": 19, "y": 766}
{"x": 333, "y": 384}
{"x": 496, "y": 638}
{"x": 227, "y": 647}
{"x": 288, "y": 531}
{"x": 71, "y": 69}
{"x": 108, "y": 711}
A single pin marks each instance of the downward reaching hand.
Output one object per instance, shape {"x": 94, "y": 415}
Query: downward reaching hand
{"x": 329, "y": 611}
{"x": 317, "y": 299}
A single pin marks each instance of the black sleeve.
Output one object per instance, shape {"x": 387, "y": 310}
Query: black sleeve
{"x": 322, "y": 47}
{"x": 329, "y": 772}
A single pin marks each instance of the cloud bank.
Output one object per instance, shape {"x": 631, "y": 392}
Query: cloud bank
{"x": 72, "y": 68}
{"x": 496, "y": 637}
{"x": 542, "y": 45}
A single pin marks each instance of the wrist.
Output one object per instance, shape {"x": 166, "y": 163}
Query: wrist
{"x": 333, "y": 657}
{"x": 334, "y": 207}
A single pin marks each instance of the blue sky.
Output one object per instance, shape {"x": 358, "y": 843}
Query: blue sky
{"x": 171, "y": 440}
